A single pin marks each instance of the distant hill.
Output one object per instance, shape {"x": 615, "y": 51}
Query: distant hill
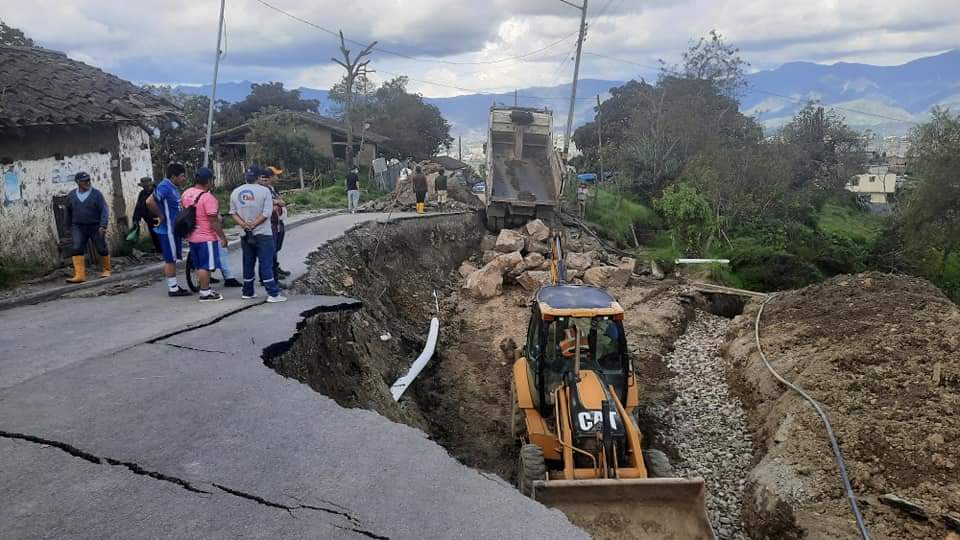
{"x": 886, "y": 99}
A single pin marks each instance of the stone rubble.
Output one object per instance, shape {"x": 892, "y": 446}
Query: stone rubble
{"x": 707, "y": 423}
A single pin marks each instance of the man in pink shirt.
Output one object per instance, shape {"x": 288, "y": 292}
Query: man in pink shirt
{"x": 204, "y": 250}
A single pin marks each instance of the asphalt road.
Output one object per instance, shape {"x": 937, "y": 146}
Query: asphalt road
{"x": 137, "y": 415}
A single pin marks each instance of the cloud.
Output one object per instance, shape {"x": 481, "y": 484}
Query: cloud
{"x": 173, "y": 40}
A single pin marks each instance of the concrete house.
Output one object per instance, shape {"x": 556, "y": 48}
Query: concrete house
{"x": 57, "y": 117}
{"x": 875, "y": 188}
{"x": 328, "y": 136}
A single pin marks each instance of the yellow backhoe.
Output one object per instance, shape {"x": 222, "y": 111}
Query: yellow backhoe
{"x": 574, "y": 406}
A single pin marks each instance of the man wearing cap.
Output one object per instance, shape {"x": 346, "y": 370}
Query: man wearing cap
{"x": 87, "y": 217}
{"x": 251, "y": 206}
{"x": 207, "y": 237}
{"x": 142, "y": 213}
{"x": 278, "y": 219}
{"x": 165, "y": 205}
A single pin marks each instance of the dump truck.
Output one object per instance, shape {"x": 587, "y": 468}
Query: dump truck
{"x": 524, "y": 172}
{"x": 575, "y": 398}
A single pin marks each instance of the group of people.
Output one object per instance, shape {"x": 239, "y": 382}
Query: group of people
{"x": 420, "y": 186}
{"x": 256, "y": 207}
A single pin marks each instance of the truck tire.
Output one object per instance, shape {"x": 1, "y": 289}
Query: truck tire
{"x": 658, "y": 464}
{"x": 531, "y": 466}
{"x": 494, "y": 223}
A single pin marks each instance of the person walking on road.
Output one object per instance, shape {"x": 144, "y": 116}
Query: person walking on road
{"x": 440, "y": 185}
{"x": 353, "y": 190}
{"x": 582, "y": 192}
{"x": 165, "y": 205}
{"x": 419, "y": 181}
{"x": 207, "y": 237}
{"x": 251, "y": 206}
{"x": 142, "y": 213}
{"x": 87, "y": 217}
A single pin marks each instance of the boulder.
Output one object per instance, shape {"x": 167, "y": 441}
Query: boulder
{"x": 573, "y": 244}
{"x": 533, "y": 280}
{"x": 535, "y": 246}
{"x": 579, "y": 261}
{"x": 509, "y": 240}
{"x": 533, "y": 261}
{"x": 485, "y": 283}
{"x": 466, "y": 269}
{"x": 624, "y": 271}
{"x": 488, "y": 256}
{"x": 509, "y": 261}
{"x": 538, "y": 230}
{"x": 603, "y": 276}
{"x": 488, "y": 242}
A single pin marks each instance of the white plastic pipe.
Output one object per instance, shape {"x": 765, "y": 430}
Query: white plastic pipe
{"x": 405, "y": 381}
{"x": 702, "y": 261}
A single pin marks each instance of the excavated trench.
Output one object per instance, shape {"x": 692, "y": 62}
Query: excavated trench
{"x": 462, "y": 398}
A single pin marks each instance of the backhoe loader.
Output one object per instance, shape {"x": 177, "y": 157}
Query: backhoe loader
{"x": 575, "y": 399}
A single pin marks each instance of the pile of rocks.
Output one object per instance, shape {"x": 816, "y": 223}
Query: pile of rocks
{"x": 522, "y": 255}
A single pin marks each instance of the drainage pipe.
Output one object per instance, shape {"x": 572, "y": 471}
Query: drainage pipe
{"x": 405, "y": 381}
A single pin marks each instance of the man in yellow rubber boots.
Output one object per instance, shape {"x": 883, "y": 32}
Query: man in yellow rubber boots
{"x": 419, "y": 181}
{"x": 87, "y": 217}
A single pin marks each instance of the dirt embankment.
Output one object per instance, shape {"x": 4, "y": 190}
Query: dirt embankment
{"x": 882, "y": 355}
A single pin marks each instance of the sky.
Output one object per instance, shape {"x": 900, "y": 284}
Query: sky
{"x": 453, "y": 47}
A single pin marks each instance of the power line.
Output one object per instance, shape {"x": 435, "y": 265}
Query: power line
{"x": 414, "y": 58}
{"x": 598, "y": 55}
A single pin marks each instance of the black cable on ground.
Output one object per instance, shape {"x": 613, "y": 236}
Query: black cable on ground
{"x": 838, "y": 457}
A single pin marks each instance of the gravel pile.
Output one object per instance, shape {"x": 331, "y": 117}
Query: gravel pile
{"x": 707, "y": 425}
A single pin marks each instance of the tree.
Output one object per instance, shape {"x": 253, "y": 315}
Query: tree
{"x": 354, "y": 67}
{"x": 180, "y": 141}
{"x": 14, "y": 36}
{"x": 825, "y": 151}
{"x": 689, "y": 216}
{"x": 262, "y": 96}
{"x": 712, "y": 59}
{"x": 929, "y": 215}
{"x": 415, "y": 128}
{"x": 279, "y": 142}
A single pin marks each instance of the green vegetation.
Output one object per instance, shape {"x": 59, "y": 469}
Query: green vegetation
{"x": 849, "y": 224}
{"x": 12, "y": 272}
{"x": 615, "y": 215}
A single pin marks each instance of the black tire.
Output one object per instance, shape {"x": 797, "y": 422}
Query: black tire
{"x": 658, "y": 464}
{"x": 193, "y": 281}
{"x": 494, "y": 223}
{"x": 531, "y": 467}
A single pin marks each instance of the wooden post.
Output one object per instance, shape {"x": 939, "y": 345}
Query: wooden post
{"x": 301, "y": 177}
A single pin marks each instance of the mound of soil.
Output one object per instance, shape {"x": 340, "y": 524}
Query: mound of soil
{"x": 881, "y": 353}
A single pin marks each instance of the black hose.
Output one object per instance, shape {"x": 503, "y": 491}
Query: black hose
{"x": 838, "y": 457}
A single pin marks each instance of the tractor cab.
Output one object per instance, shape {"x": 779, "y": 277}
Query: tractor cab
{"x": 576, "y": 333}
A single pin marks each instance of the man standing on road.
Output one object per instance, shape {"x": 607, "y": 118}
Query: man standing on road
{"x": 419, "y": 181}
{"x": 440, "y": 185}
{"x": 278, "y": 219}
{"x": 165, "y": 204}
{"x": 208, "y": 233}
{"x": 353, "y": 190}
{"x": 87, "y": 217}
{"x": 142, "y": 213}
{"x": 251, "y": 206}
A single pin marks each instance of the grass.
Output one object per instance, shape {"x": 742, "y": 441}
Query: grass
{"x": 851, "y": 223}
{"x": 615, "y": 214}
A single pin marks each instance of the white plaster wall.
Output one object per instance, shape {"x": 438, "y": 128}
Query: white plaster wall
{"x": 28, "y": 228}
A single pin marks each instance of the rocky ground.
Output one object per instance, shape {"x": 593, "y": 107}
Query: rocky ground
{"x": 706, "y": 425}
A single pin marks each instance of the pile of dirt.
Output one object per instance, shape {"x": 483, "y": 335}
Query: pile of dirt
{"x": 882, "y": 355}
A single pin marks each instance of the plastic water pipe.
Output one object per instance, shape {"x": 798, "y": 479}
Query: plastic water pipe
{"x": 406, "y": 380}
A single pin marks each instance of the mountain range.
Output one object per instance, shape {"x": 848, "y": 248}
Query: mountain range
{"x": 885, "y": 99}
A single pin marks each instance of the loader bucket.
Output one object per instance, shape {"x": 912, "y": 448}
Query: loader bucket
{"x": 647, "y": 508}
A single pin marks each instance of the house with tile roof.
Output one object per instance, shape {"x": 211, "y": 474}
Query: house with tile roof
{"x": 58, "y": 117}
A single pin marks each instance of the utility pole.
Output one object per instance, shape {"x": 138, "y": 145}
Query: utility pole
{"x": 515, "y": 100}
{"x": 353, "y": 68}
{"x": 600, "y": 137}
{"x": 213, "y": 90}
{"x": 460, "y": 147}
{"x": 576, "y": 73}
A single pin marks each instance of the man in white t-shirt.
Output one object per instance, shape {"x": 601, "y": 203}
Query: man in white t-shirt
{"x": 251, "y": 206}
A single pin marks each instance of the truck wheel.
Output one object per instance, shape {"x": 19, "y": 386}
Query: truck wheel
{"x": 494, "y": 223}
{"x": 531, "y": 467}
{"x": 658, "y": 464}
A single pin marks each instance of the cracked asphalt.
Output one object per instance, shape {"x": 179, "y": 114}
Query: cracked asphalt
{"x": 138, "y": 416}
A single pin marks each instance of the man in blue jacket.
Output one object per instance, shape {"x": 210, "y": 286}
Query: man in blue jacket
{"x": 87, "y": 217}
